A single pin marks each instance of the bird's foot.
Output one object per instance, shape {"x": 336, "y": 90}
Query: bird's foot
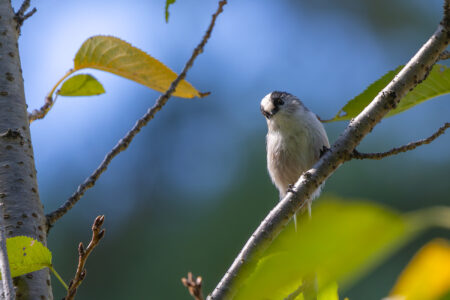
{"x": 323, "y": 151}
{"x": 291, "y": 189}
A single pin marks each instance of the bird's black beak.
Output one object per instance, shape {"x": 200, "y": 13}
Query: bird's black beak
{"x": 265, "y": 113}
{"x": 269, "y": 114}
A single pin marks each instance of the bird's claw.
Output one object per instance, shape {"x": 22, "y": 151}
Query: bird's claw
{"x": 323, "y": 151}
{"x": 291, "y": 189}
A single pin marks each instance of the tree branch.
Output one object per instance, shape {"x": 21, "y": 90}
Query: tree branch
{"x": 126, "y": 140}
{"x": 194, "y": 286}
{"x": 21, "y": 16}
{"x": 8, "y": 287}
{"x": 414, "y": 72}
{"x": 97, "y": 234}
{"x": 42, "y": 112}
{"x": 404, "y": 148}
{"x": 444, "y": 55}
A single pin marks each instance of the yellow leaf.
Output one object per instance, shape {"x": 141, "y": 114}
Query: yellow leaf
{"x": 427, "y": 276}
{"x": 115, "y": 56}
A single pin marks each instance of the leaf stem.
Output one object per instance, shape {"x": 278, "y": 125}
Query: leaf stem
{"x": 59, "y": 278}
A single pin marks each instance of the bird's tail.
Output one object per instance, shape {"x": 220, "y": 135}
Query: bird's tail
{"x": 308, "y": 203}
{"x": 295, "y": 222}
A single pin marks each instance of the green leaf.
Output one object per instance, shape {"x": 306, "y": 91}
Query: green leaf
{"x": 437, "y": 83}
{"x": 329, "y": 292}
{"x": 341, "y": 241}
{"x": 81, "y": 85}
{"x": 27, "y": 255}
{"x": 168, "y": 2}
{"x": 115, "y": 56}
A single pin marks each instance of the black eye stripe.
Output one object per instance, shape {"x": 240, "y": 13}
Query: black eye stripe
{"x": 278, "y": 101}
{"x": 277, "y": 97}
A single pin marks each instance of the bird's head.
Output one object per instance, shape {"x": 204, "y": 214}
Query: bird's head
{"x": 280, "y": 105}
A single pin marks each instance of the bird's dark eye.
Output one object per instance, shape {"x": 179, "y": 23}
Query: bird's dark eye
{"x": 278, "y": 102}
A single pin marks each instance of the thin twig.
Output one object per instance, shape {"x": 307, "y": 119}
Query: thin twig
{"x": 23, "y": 8}
{"x": 295, "y": 293}
{"x": 21, "y": 16}
{"x": 97, "y": 234}
{"x": 125, "y": 141}
{"x": 410, "y": 146}
{"x": 415, "y": 71}
{"x": 194, "y": 286}
{"x": 8, "y": 288}
{"x": 49, "y": 101}
{"x": 444, "y": 55}
{"x": 42, "y": 112}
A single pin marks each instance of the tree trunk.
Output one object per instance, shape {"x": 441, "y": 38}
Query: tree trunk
{"x": 23, "y": 211}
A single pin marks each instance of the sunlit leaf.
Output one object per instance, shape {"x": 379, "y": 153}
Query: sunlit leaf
{"x": 330, "y": 292}
{"x": 436, "y": 84}
{"x": 340, "y": 242}
{"x": 27, "y": 255}
{"x": 115, "y": 56}
{"x": 81, "y": 85}
{"x": 168, "y": 2}
{"x": 427, "y": 276}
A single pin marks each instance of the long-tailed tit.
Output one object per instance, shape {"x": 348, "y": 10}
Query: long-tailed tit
{"x": 295, "y": 140}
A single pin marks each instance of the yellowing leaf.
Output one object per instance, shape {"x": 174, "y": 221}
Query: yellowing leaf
{"x": 81, "y": 85}
{"x": 27, "y": 255}
{"x": 427, "y": 276}
{"x": 115, "y": 56}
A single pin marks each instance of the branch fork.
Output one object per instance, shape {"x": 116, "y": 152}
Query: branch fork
{"x": 194, "y": 286}
{"x": 22, "y": 14}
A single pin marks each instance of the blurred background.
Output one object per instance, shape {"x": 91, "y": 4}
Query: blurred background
{"x": 193, "y": 185}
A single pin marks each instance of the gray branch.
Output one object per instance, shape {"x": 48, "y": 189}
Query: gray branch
{"x": 125, "y": 141}
{"x": 408, "y": 147}
{"x": 415, "y": 71}
{"x": 22, "y": 14}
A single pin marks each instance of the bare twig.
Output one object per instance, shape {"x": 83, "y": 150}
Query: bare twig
{"x": 8, "y": 288}
{"x": 21, "y": 14}
{"x": 126, "y": 140}
{"x": 444, "y": 55}
{"x": 295, "y": 293}
{"x": 97, "y": 234}
{"x": 404, "y": 148}
{"x": 194, "y": 286}
{"x": 49, "y": 101}
{"x": 41, "y": 112}
{"x": 415, "y": 71}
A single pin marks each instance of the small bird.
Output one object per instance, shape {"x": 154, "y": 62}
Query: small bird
{"x": 295, "y": 140}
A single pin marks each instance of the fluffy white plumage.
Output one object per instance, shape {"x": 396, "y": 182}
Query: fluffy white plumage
{"x": 295, "y": 140}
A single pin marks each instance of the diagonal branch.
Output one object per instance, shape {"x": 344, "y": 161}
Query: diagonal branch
{"x": 414, "y": 72}
{"x": 404, "y": 148}
{"x": 126, "y": 140}
{"x": 97, "y": 234}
